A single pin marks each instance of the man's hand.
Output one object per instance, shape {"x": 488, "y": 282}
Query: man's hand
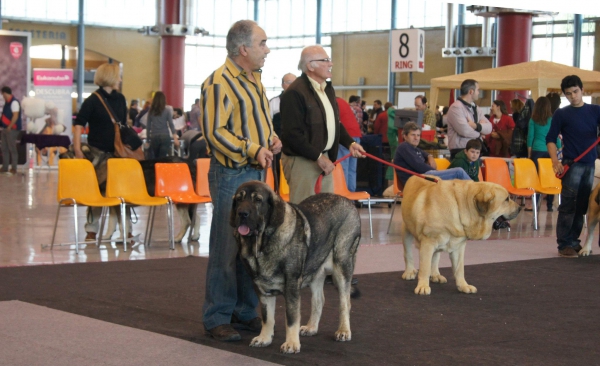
{"x": 495, "y": 135}
{"x": 325, "y": 164}
{"x": 472, "y": 124}
{"x": 356, "y": 150}
{"x": 431, "y": 162}
{"x": 557, "y": 166}
{"x": 275, "y": 145}
{"x": 264, "y": 158}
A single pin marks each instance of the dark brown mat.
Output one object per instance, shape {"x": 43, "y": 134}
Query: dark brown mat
{"x": 542, "y": 312}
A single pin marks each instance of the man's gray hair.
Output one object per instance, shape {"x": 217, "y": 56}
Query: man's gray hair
{"x": 240, "y": 34}
{"x": 305, "y": 57}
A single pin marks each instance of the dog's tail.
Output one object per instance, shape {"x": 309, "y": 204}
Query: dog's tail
{"x": 354, "y": 292}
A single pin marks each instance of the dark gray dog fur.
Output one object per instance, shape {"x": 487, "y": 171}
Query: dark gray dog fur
{"x": 289, "y": 247}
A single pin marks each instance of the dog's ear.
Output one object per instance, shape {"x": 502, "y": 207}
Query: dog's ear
{"x": 233, "y": 213}
{"x": 276, "y": 211}
{"x": 483, "y": 201}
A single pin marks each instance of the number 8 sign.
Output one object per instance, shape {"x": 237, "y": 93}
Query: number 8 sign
{"x": 407, "y": 50}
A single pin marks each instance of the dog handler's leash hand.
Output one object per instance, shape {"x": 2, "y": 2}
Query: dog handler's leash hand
{"x": 565, "y": 169}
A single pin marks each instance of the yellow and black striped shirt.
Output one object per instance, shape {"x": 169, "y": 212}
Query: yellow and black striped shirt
{"x": 236, "y": 120}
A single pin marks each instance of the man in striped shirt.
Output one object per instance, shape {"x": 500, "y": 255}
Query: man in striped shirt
{"x": 237, "y": 125}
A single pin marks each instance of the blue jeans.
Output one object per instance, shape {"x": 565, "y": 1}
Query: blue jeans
{"x": 229, "y": 288}
{"x": 349, "y": 166}
{"x": 449, "y": 174}
{"x": 535, "y": 155}
{"x": 575, "y": 193}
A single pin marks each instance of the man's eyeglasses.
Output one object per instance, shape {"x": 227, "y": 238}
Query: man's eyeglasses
{"x": 323, "y": 60}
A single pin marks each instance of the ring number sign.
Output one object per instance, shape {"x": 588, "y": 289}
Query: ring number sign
{"x": 407, "y": 50}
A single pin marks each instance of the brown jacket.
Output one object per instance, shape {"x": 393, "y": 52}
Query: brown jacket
{"x": 303, "y": 126}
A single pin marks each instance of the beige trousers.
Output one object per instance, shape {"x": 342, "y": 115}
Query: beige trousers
{"x": 301, "y": 175}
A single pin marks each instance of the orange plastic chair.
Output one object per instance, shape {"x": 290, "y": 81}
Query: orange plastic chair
{"x": 398, "y": 188}
{"x": 202, "y": 167}
{"x": 340, "y": 188}
{"x": 78, "y": 185}
{"x": 126, "y": 180}
{"x": 442, "y": 163}
{"x": 526, "y": 177}
{"x": 496, "y": 171}
{"x": 284, "y": 188}
{"x": 174, "y": 181}
{"x": 480, "y": 175}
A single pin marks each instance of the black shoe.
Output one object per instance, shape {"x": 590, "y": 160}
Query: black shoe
{"x": 224, "y": 333}
{"x": 550, "y": 209}
{"x": 500, "y": 223}
{"x": 568, "y": 252}
{"x": 577, "y": 248}
{"x": 253, "y": 325}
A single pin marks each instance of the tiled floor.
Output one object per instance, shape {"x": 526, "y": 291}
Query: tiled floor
{"x": 28, "y": 208}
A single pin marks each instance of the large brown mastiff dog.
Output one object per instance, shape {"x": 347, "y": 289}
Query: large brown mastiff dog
{"x": 441, "y": 217}
{"x": 286, "y": 247}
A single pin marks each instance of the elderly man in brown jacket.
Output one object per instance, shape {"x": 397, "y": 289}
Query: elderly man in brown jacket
{"x": 312, "y": 130}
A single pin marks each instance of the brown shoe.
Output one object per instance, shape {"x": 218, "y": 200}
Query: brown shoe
{"x": 224, "y": 333}
{"x": 568, "y": 252}
{"x": 253, "y": 325}
{"x": 90, "y": 236}
{"x": 577, "y": 248}
{"x": 13, "y": 171}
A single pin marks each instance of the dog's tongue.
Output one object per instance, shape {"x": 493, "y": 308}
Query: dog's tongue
{"x": 243, "y": 230}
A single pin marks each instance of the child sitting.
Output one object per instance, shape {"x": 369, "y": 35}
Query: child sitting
{"x": 468, "y": 159}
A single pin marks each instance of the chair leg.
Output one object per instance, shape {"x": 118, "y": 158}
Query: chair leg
{"x": 151, "y": 223}
{"x": 76, "y": 230}
{"x": 147, "y": 234}
{"x": 370, "y": 218}
{"x": 101, "y": 220}
{"x": 124, "y": 224}
{"x": 55, "y": 225}
{"x": 171, "y": 227}
{"x": 392, "y": 215}
{"x": 535, "y": 212}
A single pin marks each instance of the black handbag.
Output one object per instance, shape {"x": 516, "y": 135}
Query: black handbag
{"x": 130, "y": 137}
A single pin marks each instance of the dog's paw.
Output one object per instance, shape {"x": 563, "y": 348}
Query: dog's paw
{"x": 409, "y": 275}
{"x": 585, "y": 252}
{"x": 290, "y": 347}
{"x": 423, "y": 290}
{"x": 438, "y": 279}
{"x": 307, "y": 331}
{"x": 467, "y": 289}
{"x": 195, "y": 237}
{"x": 343, "y": 335}
{"x": 259, "y": 341}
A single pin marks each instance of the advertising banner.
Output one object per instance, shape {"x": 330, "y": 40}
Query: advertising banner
{"x": 54, "y": 87}
{"x": 15, "y": 63}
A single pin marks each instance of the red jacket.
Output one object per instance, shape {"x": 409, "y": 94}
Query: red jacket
{"x": 380, "y": 126}
{"x": 348, "y": 118}
{"x": 500, "y": 147}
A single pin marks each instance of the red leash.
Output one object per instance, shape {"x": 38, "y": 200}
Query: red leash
{"x": 566, "y": 167}
{"x": 320, "y": 179}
